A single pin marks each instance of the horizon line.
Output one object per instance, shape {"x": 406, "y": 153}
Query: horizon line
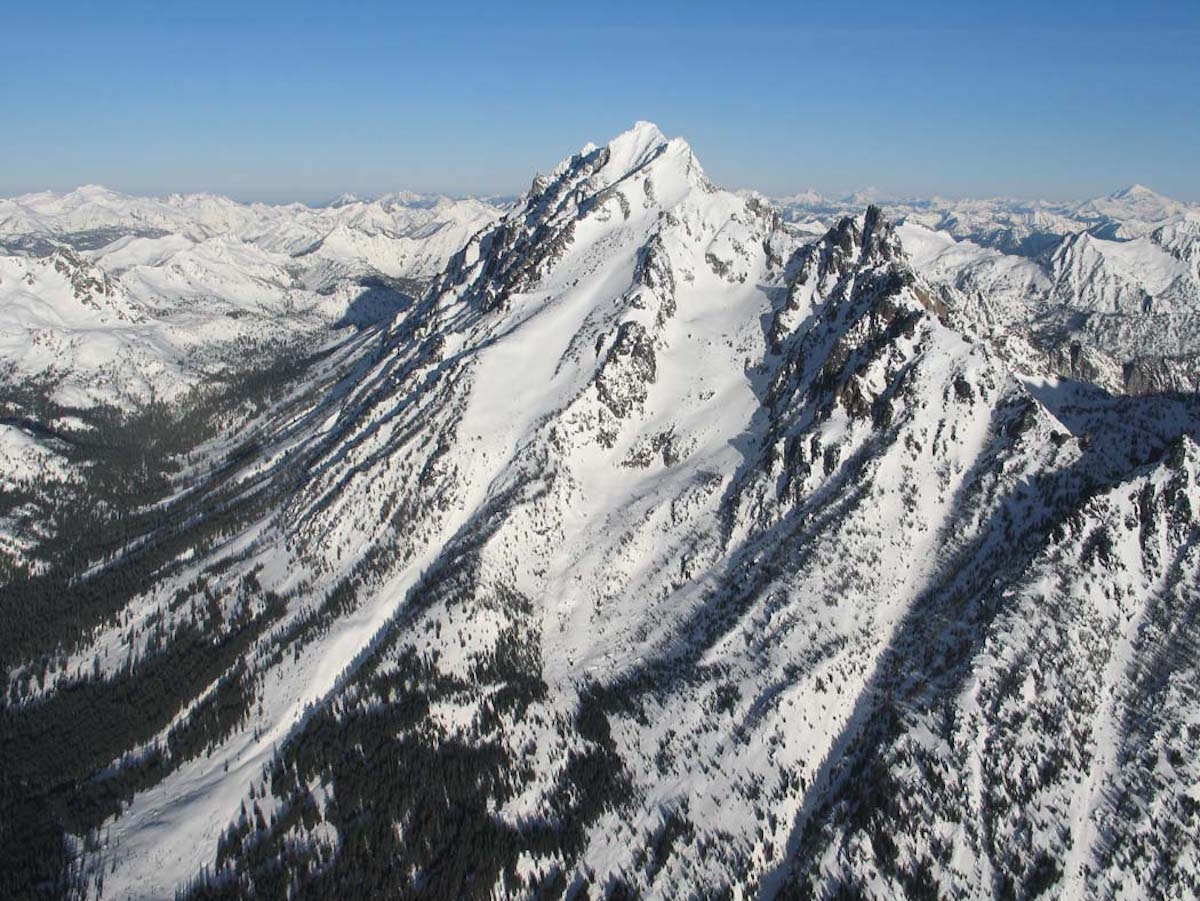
{"x": 859, "y": 195}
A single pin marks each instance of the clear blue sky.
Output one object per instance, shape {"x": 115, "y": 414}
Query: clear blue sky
{"x": 301, "y": 100}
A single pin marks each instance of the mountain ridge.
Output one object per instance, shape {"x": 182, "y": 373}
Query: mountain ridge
{"x": 658, "y": 546}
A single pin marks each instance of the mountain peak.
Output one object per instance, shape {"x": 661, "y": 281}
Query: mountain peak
{"x": 640, "y": 169}
{"x": 91, "y": 194}
{"x": 1136, "y": 202}
{"x": 1134, "y": 191}
{"x": 643, "y": 132}
{"x": 634, "y": 148}
{"x": 874, "y": 236}
{"x": 345, "y": 199}
{"x": 92, "y": 190}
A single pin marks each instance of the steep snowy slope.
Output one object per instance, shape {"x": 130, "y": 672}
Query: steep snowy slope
{"x": 660, "y": 547}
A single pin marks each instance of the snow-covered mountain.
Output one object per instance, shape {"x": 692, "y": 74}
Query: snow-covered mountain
{"x": 1014, "y": 226}
{"x": 91, "y": 217}
{"x": 660, "y": 547}
{"x": 1107, "y": 291}
{"x": 188, "y": 283}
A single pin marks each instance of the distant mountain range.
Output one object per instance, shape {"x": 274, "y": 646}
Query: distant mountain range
{"x": 106, "y": 295}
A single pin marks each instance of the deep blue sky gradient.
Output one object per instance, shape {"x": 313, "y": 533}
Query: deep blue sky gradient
{"x": 300, "y": 100}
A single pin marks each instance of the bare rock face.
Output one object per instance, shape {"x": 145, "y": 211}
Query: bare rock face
{"x": 1162, "y": 375}
{"x": 510, "y": 257}
{"x": 621, "y": 382}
